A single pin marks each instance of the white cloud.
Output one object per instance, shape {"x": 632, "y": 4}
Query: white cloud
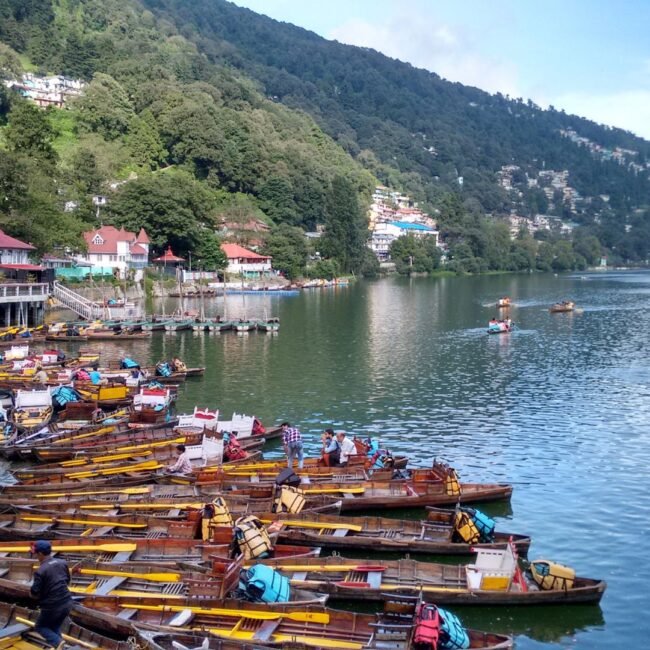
{"x": 628, "y": 110}
{"x": 426, "y": 43}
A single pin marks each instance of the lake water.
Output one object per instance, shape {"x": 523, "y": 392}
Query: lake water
{"x": 560, "y": 408}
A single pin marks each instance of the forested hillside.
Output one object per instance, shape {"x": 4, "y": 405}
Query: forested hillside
{"x": 197, "y": 111}
{"x": 195, "y": 141}
{"x": 421, "y": 133}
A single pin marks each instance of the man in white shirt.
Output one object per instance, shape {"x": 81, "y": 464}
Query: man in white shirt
{"x": 347, "y": 447}
{"x": 183, "y": 465}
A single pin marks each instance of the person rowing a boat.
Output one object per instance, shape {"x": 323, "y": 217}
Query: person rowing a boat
{"x": 50, "y": 588}
{"x": 183, "y": 465}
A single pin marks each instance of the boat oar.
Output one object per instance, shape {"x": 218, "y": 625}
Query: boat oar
{"x": 347, "y": 490}
{"x": 302, "y": 617}
{"x": 72, "y": 640}
{"x": 303, "y": 639}
{"x": 85, "y": 493}
{"x": 314, "y": 524}
{"x": 118, "y": 547}
{"x": 63, "y": 520}
{"x": 146, "y": 506}
{"x": 325, "y": 568}
{"x": 151, "y": 577}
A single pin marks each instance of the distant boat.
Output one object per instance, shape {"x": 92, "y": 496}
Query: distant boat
{"x": 503, "y": 303}
{"x": 564, "y": 306}
{"x": 500, "y": 326}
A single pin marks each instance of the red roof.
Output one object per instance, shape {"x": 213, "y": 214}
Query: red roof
{"x": 110, "y": 235}
{"x": 22, "y": 267}
{"x": 169, "y": 257}
{"x": 142, "y": 237}
{"x": 11, "y": 242}
{"x": 136, "y": 249}
{"x": 235, "y": 251}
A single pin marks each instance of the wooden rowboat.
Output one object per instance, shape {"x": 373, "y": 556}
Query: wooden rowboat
{"x": 196, "y": 554}
{"x": 564, "y": 306}
{"x": 34, "y": 524}
{"x": 136, "y": 580}
{"x": 436, "y": 535}
{"x": 237, "y": 625}
{"x": 495, "y": 578}
{"x": 17, "y": 622}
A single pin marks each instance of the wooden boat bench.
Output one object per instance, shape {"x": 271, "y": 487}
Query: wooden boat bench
{"x": 126, "y": 614}
{"x": 340, "y": 532}
{"x": 300, "y": 576}
{"x": 14, "y": 630}
{"x": 181, "y": 619}
{"x": 122, "y": 556}
{"x": 374, "y": 579}
{"x": 100, "y": 532}
{"x": 108, "y": 586}
{"x": 266, "y": 630}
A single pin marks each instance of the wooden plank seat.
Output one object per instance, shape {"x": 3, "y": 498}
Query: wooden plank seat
{"x": 13, "y": 630}
{"x": 266, "y": 630}
{"x": 106, "y": 587}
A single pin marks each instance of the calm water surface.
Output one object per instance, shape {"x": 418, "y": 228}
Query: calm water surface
{"x": 560, "y": 408}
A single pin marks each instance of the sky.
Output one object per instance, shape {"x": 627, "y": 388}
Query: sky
{"x": 589, "y": 57}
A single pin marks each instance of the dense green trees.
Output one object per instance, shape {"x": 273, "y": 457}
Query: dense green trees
{"x": 288, "y": 248}
{"x": 346, "y": 227}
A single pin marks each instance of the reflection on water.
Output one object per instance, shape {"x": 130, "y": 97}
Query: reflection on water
{"x": 560, "y": 408}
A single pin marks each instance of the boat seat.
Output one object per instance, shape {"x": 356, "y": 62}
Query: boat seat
{"x": 109, "y": 585}
{"x": 181, "y": 619}
{"x": 100, "y": 532}
{"x": 14, "y": 630}
{"x": 126, "y": 614}
{"x": 4, "y": 524}
{"x": 341, "y": 532}
{"x": 301, "y": 575}
{"x": 266, "y": 630}
{"x": 122, "y": 556}
{"x": 174, "y": 512}
{"x": 374, "y": 579}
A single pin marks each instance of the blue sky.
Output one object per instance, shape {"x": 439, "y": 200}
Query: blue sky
{"x": 590, "y": 57}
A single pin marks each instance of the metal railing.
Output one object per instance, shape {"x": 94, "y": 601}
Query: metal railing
{"x": 19, "y": 290}
{"x": 79, "y": 304}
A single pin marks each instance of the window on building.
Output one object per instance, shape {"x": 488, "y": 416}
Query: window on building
{"x": 97, "y": 239}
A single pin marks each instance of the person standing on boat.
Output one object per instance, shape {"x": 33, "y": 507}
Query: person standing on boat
{"x": 50, "y": 588}
{"x": 183, "y": 465}
{"x": 348, "y": 448}
{"x": 292, "y": 443}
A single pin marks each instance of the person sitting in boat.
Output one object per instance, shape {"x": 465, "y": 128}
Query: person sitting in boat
{"x": 331, "y": 453}
{"x": 348, "y": 448}
{"x": 41, "y": 376}
{"x": 493, "y": 321}
{"x": 183, "y": 464}
{"x": 178, "y": 365}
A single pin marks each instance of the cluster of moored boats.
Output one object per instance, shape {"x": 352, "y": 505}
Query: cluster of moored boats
{"x": 235, "y": 552}
{"x": 507, "y": 325}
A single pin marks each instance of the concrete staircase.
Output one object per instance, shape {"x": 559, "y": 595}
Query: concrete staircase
{"x": 77, "y": 303}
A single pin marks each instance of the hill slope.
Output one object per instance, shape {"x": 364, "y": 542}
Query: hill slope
{"x": 410, "y": 126}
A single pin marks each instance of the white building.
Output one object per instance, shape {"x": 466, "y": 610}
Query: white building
{"x": 120, "y": 249}
{"x": 384, "y": 234}
{"x": 241, "y": 261}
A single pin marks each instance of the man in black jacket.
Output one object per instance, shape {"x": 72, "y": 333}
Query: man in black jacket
{"x": 50, "y": 588}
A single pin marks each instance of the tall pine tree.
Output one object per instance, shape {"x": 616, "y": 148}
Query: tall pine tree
{"x": 346, "y": 226}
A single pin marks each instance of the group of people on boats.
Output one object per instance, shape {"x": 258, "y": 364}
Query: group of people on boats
{"x": 498, "y": 326}
{"x": 336, "y": 447}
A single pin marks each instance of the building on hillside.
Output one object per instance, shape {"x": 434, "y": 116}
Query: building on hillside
{"x": 46, "y": 91}
{"x": 246, "y": 263}
{"x": 24, "y": 287}
{"x": 119, "y": 250}
{"x": 384, "y": 234}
